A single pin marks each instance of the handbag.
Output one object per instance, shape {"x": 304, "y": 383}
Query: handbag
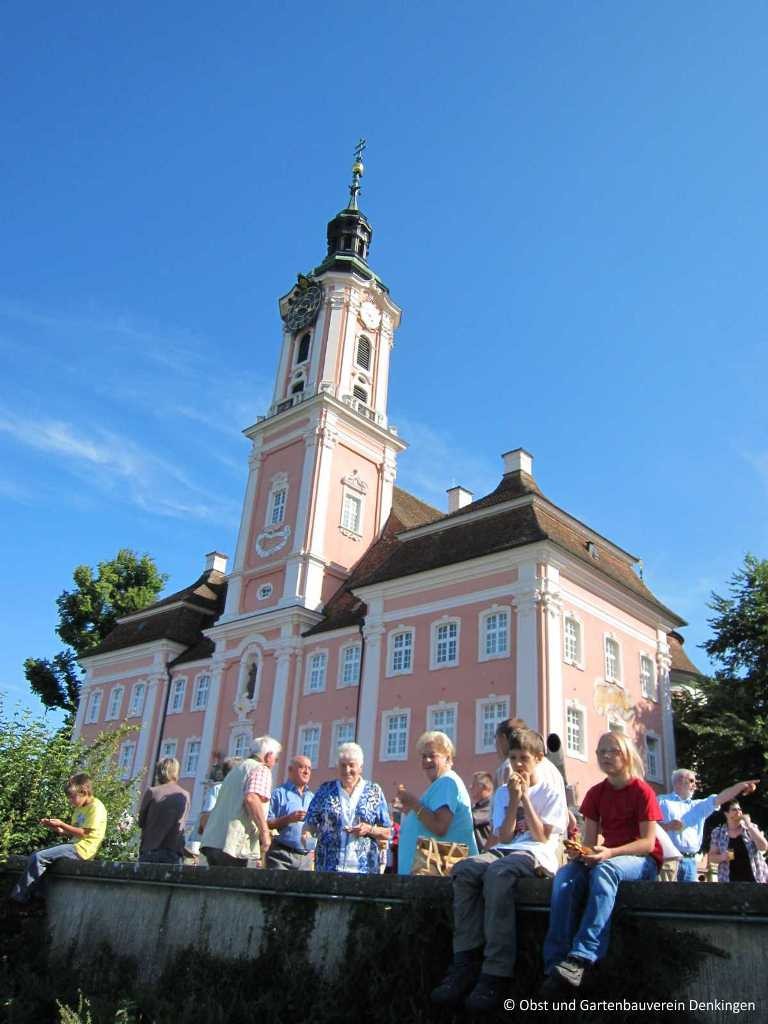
{"x": 437, "y": 858}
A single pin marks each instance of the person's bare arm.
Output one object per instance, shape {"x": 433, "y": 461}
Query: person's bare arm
{"x": 737, "y": 789}
{"x": 257, "y": 812}
{"x": 637, "y": 848}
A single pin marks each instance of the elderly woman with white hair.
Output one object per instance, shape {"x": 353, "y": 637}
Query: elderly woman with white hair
{"x": 443, "y": 811}
{"x": 349, "y": 816}
{"x": 237, "y": 829}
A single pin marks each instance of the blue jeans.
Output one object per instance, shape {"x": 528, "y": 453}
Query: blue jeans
{"x": 582, "y": 930}
{"x": 686, "y": 870}
{"x": 35, "y": 868}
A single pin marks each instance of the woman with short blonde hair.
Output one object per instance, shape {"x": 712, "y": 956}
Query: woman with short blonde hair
{"x": 444, "y": 809}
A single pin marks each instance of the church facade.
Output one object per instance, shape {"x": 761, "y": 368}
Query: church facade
{"x": 353, "y": 610}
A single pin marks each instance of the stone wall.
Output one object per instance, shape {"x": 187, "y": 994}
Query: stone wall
{"x": 380, "y": 943}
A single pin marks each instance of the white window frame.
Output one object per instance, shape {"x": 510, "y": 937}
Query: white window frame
{"x": 371, "y": 353}
{"x": 447, "y": 620}
{"x": 391, "y": 670}
{"x": 321, "y": 652}
{"x": 355, "y": 527}
{"x": 653, "y": 692}
{"x": 444, "y": 706}
{"x": 238, "y": 733}
{"x": 196, "y": 705}
{"x": 114, "y": 708}
{"x": 619, "y": 675}
{"x": 385, "y": 719}
{"x": 482, "y": 630}
{"x": 185, "y": 772}
{"x": 578, "y": 661}
{"x": 136, "y": 708}
{"x": 658, "y": 774}
{"x": 616, "y": 725}
{"x": 336, "y": 742}
{"x": 480, "y": 704}
{"x": 580, "y": 755}
{"x": 340, "y": 682}
{"x": 353, "y": 486}
{"x": 124, "y": 764}
{"x": 179, "y": 683}
{"x": 300, "y": 741}
{"x": 168, "y": 748}
{"x": 277, "y": 485}
{"x": 94, "y": 707}
{"x": 264, "y": 592}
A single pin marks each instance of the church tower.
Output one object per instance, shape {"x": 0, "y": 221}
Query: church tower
{"x": 322, "y": 462}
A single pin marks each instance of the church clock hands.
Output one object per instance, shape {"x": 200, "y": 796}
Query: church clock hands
{"x": 303, "y": 304}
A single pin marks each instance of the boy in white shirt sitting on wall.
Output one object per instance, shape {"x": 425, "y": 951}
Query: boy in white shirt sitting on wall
{"x": 530, "y": 814}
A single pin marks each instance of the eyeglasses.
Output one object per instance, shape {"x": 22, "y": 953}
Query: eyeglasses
{"x": 608, "y": 752}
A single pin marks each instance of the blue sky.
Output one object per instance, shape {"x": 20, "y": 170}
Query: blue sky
{"x": 568, "y": 201}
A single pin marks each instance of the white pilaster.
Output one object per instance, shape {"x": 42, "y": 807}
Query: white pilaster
{"x": 663, "y": 665}
{"x": 367, "y": 723}
{"x": 283, "y": 659}
{"x": 232, "y": 607}
{"x": 527, "y": 659}
{"x": 144, "y": 755}
{"x": 552, "y": 607}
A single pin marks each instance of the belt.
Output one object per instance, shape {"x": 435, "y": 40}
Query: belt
{"x": 689, "y": 855}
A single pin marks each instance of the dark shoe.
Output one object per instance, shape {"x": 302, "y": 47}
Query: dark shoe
{"x": 488, "y": 994}
{"x": 458, "y": 981}
{"x": 568, "y": 974}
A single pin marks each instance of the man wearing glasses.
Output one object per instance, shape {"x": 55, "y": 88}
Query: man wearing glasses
{"x": 684, "y": 820}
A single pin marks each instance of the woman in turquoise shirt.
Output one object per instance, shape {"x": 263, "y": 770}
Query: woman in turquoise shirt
{"x": 444, "y": 811}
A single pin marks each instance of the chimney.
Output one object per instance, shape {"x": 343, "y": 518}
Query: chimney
{"x": 216, "y": 562}
{"x": 458, "y": 497}
{"x": 518, "y": 461}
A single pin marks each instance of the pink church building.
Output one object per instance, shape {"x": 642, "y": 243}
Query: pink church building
{"x": 353, "y": 610}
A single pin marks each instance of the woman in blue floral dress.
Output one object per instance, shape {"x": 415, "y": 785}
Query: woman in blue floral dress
{"x": 349, "y": 816}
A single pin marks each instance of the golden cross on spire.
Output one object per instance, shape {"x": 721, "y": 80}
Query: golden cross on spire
{"x": 357, "y": 172}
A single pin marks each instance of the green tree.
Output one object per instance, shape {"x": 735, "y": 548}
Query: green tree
{"x": 35, "y": 763}
{"x": 722, "y": 727}
{"x": 127, "y": 583}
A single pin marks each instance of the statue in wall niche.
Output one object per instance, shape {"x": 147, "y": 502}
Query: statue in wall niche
{"x": 250, "y": 686}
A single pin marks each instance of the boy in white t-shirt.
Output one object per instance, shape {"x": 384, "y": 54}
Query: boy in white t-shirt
{"x": 529, "y": 815}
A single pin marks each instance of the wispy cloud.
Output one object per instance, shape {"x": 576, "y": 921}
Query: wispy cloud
{"x": 153, "y": 484}
{"x": 434, "y": 462}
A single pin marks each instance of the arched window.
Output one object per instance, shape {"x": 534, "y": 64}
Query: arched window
{"x": 303, "y": 351}
{"x": 360, "y": 394}
{"x": 363, "y": 356}
{"x": 297, "y": 388}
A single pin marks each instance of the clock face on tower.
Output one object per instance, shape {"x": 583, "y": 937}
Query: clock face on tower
{"x": 304, "y": 304}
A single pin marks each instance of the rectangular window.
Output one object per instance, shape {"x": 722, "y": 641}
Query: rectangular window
{"x": 402, "y": 651}
{"x": 352, "y": 513}
{"x": 309, "y": 743}
{"x": 576, "y": 740}
{"x": 278, "y": 507}
{"x": 115, "y": 702}
{"x": 490, "y": 713}
{"x": 350, "y": 665}
{"x": 446, "y": 643}
{"x": 572, "y": 641}
{"x": 94, "y": 707}
{"x": 442, "y": 718}
{"x": 612, "y": 660}
{"x": 168, "y": 748}
{"x": 395, "y": 746}
{"x": 137, "y": 700}
{"x": 652, "y": 766}
{"x": 241, "y": 744}
{"x": 125, "y": 760}
{"x": 647, "y": 678}
{"x": 202, "y": 686}
{"x": 177, "y": 696}
{"x": 343, "y": 732}
{"x": 191, "y": 757}
{"x": 496, "y": 633}
{"x": 316, "y": 678}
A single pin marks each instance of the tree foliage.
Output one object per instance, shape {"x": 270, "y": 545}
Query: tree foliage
{"x": 127, "y": 583}
{"x": 35, "y": 763}
{"x": 722, "y": 727}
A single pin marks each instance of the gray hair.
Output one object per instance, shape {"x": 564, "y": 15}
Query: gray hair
{"x": 352, "y": 752}
{"x": 264, "y": 745}
{"x": 678, "y": 773}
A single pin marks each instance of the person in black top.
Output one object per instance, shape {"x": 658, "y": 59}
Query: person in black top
{"x": 481, "y": 792}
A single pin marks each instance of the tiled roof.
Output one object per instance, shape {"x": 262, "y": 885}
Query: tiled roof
{"x": 680, "y": 660}
{"x": 203, "y": 649}
{"x": 172, "y": 618}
